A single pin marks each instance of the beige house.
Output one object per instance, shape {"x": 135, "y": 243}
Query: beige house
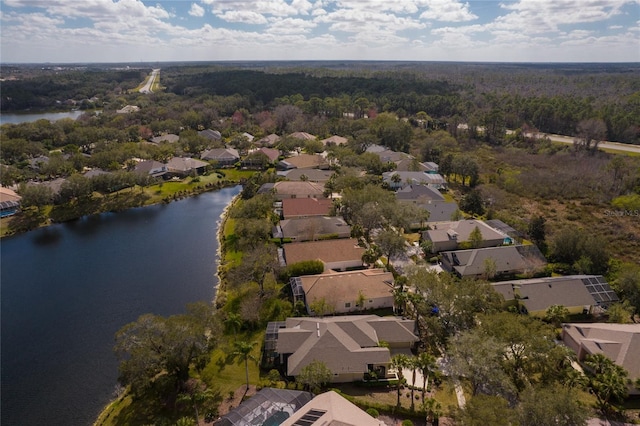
{"x": 337, "y": 255}
{"x": 505, "y": 260}
{"x": 330, "y": 408}
{"x": 346, "y": 292}
{"x": 335, "y": 140}
{"x": 305, "y": 207}
{"x": 303, "y": 161}
{"x": 287, "y": 189}
{"x": 618, "y": 342}
{"x": 450, "y": 235}
{"x": 348, "y": 345}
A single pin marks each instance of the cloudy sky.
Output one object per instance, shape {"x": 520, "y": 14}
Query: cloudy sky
{"x": 422, "y": 30}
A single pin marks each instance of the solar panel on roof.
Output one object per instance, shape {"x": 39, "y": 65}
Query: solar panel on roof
{"x": 600, "y": 289}
{"x": 309, "y": 418}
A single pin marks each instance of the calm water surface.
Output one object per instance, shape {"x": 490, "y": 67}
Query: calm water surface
{"x": 51, "y": 116}
{"x": 68, "y": 288}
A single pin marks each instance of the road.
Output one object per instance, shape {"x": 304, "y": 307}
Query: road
{"x": 602, "y": 145}
{"x": 149, "y": 83}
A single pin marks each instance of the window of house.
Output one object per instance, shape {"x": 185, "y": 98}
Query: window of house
{"x": 347, "y": 305}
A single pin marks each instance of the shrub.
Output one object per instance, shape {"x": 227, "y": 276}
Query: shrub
{"x": 407, "y": 423}
{"x": 307, "y": 267}
{"x": 373, "y": 412}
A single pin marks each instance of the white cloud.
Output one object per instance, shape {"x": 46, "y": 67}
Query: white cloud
{"x": 448, "y": 11}
{"x": 290, "y": 26}
{"x": 263, "y": 7}
{"x": 243, "y": 16}
{"x": 196, "y": 10}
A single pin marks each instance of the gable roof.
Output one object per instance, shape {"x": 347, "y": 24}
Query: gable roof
{"x": 152, "y": 167}
{"x": 538, "y": 294}
{"x": 619, "y": 342}
{"x": 507, "y": 259}
{"x": 340, "y": 287}
{"x": 310, "y": 228}
{"x": 9, "y": 195}
{"x": 292, "y": 207}
{"x": 346, "y": 344}
{"x": 328, "y": 251}
{"x": 412, "y": 164}
{"x": 331, "y": 409}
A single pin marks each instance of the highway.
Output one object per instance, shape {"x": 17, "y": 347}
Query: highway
{"x": 602, "y": 145}
{"x": 149, "y": 83}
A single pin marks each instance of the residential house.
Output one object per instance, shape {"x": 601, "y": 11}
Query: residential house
{"x": 430, "y": 199}
{"x": 169, "y": 137}
{"x": 303, "y": 161}
{"x": 411, "y": 164}
{"x": 330, "y": 408}
{"x": 505, "y": 229}
{"x": 305, "y": 207}
{"x": 260, "y": 158}
{"x": 454, "y": 235}
{"x": 311, "y": 175}
{"x": 335, "y": 140}
{"x": 398, "y": 179}
{"x": 577, "y": 293}
{"x": 249, "y": 136}
{"x": 212, "y": 135}
{"x": 9, "y": 202}
{"x": 151, "y": 167}
{"x": 269, "y": 140}
{"x": 95, "y": 172}
{"x": 337, "y": 255}
{"x": 269, "y": 406}
{"x": 128, "y": 109}
{"x": 312, "y": 228}
{"x": 55, "y": 185}
{"x": 350, "y": 346}
{"x": 224, "y": 157}
{"x": 618, "y": 342}
{"x": 345, "y": 292}
{"x": 37, "y": 162}
{"x": 286, "y": 189}
{"x": 508, "y": 260}
{"x": 185, "y": 166}
{"x": 303, "y": 136}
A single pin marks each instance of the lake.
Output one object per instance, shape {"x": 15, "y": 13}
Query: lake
{"x": 51, "y": 116}
{"x": 68, "y": 288}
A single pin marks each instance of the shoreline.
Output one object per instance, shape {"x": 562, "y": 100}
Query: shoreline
{"x": 222, "y": 219}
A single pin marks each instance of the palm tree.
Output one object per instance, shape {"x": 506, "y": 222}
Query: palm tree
{"x": 413, "y": 366}
{"x": 426, "y": 364}
{"x": 197, "y": 396}
{"x": 233, "y": 322}
{"x": 243, "y": 350}
{"x": 433, "y": 410}
{"x": 607, "y": 380}
{"x": 399, "y": 362}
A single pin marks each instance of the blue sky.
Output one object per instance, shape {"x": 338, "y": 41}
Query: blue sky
{"x": 421, "y": 30}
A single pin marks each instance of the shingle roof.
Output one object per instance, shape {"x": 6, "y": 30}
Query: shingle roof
{"x": 292, "y": 207}
{"x": 185, "y": 164}
{"x": 269, "y": 140}
{"x": 309, "y": 228}
{"x": 166, "y": 138}
{"x": 338, "y": 140}
{"x": 341, "y": 287}
{"x": 220, "y": 154}
{"x": 210, "y": 134}
{"x": 305, "y": 161}
{"x": 538, "y": 294}
{"x": 7, "y": 194}
{"x": 461, "y": 230}
{"x": 619, "y": 342}
{"x": 507, "y": 259}
{"x": 328, "y": 251}
{"x": 346, "y": 344}
{"x": 303, "y": 135}
{"x": 312, "y": 175}
{"x": 299, "y": 188}
{"x": 331, "y": 409}
{"x": 420, "y": 193}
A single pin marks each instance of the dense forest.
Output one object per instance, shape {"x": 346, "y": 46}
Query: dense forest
{"x": 552, "y": 98}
